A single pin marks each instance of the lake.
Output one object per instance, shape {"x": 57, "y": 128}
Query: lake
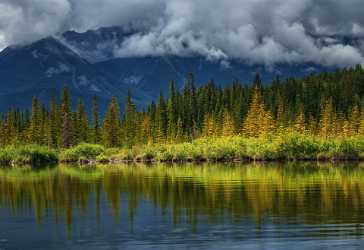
{"x": 211, "y": 206}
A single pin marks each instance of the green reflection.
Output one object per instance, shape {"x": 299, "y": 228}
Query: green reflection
{"x": 298, "y": 192}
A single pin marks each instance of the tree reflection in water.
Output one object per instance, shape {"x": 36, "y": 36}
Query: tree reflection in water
{"x": 309, "y": 193}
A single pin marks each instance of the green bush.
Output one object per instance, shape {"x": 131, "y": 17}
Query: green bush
{"x": 219, "y": 150}
{"x": 102, "y": 158}
{"x": 342, "y": 149}
{"x": 83, "y": 151}
{"x": 263, "y": 149}
{"x": 6, "y": 156}
{"x": 164, "y": 154}
{"x": 289, "y": 147}
{"x": 28, "y": 154}
{"x": 299, "y": 147}
{"x": 146, "y": 153}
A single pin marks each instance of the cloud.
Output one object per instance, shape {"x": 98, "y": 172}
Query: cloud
{"x": 256, "y": 31}
{"x": 25, "y": 20}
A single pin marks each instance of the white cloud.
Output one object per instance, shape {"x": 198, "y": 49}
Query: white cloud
{"x": 256, "y": 31}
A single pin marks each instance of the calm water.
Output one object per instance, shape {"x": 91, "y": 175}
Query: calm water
{"x": 183, "y": 207}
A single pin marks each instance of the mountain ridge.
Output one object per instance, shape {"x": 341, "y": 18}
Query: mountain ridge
{"x": 44, "y": 67}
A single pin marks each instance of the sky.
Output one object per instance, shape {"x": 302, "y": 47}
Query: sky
{"x": 256, "y": 31}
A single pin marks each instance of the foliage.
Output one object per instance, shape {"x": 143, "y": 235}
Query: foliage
{"x": 82, "y": 151}
{"x": 28, "y": 154}
{"x": 290, "y": 147}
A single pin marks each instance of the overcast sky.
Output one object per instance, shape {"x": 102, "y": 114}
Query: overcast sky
{"x": 258, "y": 31}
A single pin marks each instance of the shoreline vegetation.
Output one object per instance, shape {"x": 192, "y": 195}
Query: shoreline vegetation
{"x": 286, "y": 148}
{"x": 315, "y": 118}
{"x": 292, "y": 147}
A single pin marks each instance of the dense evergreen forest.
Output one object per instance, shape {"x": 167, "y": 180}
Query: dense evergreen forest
{"x": 326, "y": 105}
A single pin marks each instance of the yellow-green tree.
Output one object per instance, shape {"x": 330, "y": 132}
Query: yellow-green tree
{"x": 299, "y": 122}
{"x": 228, "y": 125}
{"x": 35, "y": 135}
{"x": 209, "y": 126}
{"x": 354, "y": 120}
{"x": 361, "y": 124}
{"x": 326, "y": 122}
{"x": 259, "y": 121}
{"x": 280, "y": 116}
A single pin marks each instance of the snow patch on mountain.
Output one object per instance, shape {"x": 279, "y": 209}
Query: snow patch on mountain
{"x": 133, "y": 79}
{"x": 94, "y": 88}
{"x": 83, "y": 81}
{"x": 35, "y": 54}
{"x": 61, "y": 68}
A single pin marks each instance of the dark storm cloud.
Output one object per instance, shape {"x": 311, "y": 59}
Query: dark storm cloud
{"x": 258, "y": 31}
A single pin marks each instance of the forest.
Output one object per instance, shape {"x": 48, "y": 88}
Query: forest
{"x": 323, "y": 113}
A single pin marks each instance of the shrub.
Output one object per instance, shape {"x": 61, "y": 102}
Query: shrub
{"x": 299, "y": 147}
{"x": 102, "y": 158}
{"x": 342, "y": 149}
{"x": 83, "y": 151}
{"x": 147, "y": 153}
{"x": 263, "y": 149}
{"x": 6, "y": 156}
{"x": 28, "y": 154}
{"x": 164, "y": 154}
{"x": 219, "y": 150}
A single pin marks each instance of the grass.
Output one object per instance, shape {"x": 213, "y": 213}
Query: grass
{"x": 28, "y": 154}
{"x": 84, "y": 152}
{"x": 291, "y": 147}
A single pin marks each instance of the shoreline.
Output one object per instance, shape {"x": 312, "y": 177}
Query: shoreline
{"x": 85, "y": 162}
{"x": 237, "y": 149}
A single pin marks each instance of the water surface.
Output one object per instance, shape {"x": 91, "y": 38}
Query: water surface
{"x": 305, "y": 206}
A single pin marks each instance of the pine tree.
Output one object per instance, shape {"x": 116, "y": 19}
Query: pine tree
{"x": 361, "y": 123}
{"x": 326, "y": 119}
{"x": 82, "y": 126}
{"x": 258, "y": 122}
{"x": 146, "y": 131}
{"x": 162, "y": 119}
{"x": 209, "y": 128}
{"x": 179, "y": 131}
{"x": 96, "y": 133}
{"x": 35, "y": 123}
{"x": 172, "y": 113}
{"x": 130, "y": 121}
{"x": 228, "y": 125}
{"x": 67, "y": 137}
{"x": 66, "y": 132}
{"x": 299, "y": 123}
{"x": 54, "y": 124}
{"x": 280, "y": 117}
{"x": 267, "y": 123}
{"x": 354, "y": 120}
{"x": 111, "y": 128}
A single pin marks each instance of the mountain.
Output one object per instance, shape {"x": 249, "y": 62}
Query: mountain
{"x": 43, "y": 68}
{"x": 86, "y": 63}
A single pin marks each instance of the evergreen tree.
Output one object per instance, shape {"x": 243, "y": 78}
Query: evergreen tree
{"x": 54, "y": 124}
{"x": 326, "y": 119}
{"x": 81, "y": 124}
{"x": 35, "y": 123}
{"x": 162, "y": 118}
{"x": 130, "y": 121}
{"x": 354, "y": 120}
{"x": 96, "y": 133}
{"x": 228, "y": 125}
{"x": 209, "y": 128}
{"x": 172, "y": 113}
{"x": 299, "y": 123}
{"x": 111, "y": 128}
{"x": 66, "y": 131}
